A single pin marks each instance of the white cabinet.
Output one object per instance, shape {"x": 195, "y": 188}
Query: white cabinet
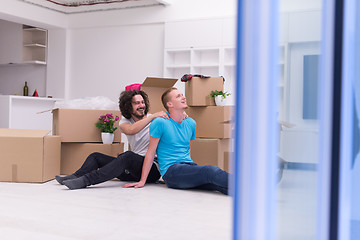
{"x": 229, "y": 31}
{"x": 205, "y": 47}
{"x": 283, "y": 28}
{"x": 304, "y": 26}
{"x": 19, "y": 112}
{"x": 299, "y": 145}
{"x": 22, "y": 44}
{"x": 215, "y": 61}
{"x": 10, "y": 42}
{"x": 205, "y": 61}
{"x": 197, "y": 33}
{"x": 177, "y": 62}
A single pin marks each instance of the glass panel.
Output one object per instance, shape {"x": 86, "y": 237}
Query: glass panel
{"x": 300, "y": 44}
{"x": 355, "y": 149}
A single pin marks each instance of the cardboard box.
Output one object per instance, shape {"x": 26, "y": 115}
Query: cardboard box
{"x": 73, "y": 155}
{"x": 212, "y": 121}
{"x": 209, "y": 151}
{"x": 197, "y": 90}
{"x": 227, "y": 158}
{"x": 154, "y": 88}
{"x": 78, "y": 125}
{"x": 28, "y": 155}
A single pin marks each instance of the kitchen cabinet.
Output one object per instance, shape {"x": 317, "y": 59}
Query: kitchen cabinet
{"x": 212, "y": 61}
{"x": 20, "y": 112}
{"x": 196, "y": 33}
{"x": 34, "y": 45}
{"x": 10, "y": 42}
{"x": 204, "y": 47}
{"x": 20, "y": 44}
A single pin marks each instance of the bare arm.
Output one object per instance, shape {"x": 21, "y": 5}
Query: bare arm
{"x": 148, "y": 161}
{"x": 131, "y": 129}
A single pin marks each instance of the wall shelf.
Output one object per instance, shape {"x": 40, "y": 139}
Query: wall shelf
{"x": 34, "y": 45}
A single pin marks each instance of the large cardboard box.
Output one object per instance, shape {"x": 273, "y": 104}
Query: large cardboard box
{"x": 209, "y": 151}
{"x": 197, "y": 90}
{"x": 28, "y": 155}
{"x": 228, "y": 161}
{"x": 73, "y": 155}
{"x": 212, "y": 121}
{"x": 154, "y": 88}
{"x": 78, "y": 125}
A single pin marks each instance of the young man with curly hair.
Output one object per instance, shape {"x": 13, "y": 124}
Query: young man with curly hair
{"x": 170, "y": 140}
{"x": 99, "y": 168}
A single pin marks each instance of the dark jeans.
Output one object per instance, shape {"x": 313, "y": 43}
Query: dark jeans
{"x": 127, "y": 166}
{"x": 191, "y": 175}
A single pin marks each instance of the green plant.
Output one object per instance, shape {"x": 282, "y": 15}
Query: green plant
{"x": 215, "y": 93}
{"x": 106, "y": 123}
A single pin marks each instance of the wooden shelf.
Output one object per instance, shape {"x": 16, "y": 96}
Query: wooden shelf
{"x": 34, "y": 45}
{"x": 33, "y": 29}
{"x": 35, "y": 62}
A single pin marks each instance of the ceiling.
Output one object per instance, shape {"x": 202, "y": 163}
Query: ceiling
{"x": 80, "y": 6}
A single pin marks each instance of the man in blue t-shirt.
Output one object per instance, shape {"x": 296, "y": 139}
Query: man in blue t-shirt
{"x": 170, "y": 140}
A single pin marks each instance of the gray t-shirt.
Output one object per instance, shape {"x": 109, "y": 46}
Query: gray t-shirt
{"x": 138, "y": 142}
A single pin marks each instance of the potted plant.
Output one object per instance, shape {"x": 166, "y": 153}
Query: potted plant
{"x": 106, "y": 125}
{"x": 219, "y": 97}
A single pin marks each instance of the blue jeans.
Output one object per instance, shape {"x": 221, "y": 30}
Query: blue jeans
{"x": 191, "y": 175}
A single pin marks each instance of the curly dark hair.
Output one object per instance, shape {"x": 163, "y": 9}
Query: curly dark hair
{"x": 125, "y": 102}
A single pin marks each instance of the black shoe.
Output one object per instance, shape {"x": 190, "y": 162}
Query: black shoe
{"x": 62, "y": 179}
{"x": 76, "y": 183}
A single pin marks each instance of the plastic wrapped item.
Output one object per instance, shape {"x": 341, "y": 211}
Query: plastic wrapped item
{"x": 99, "y": 103}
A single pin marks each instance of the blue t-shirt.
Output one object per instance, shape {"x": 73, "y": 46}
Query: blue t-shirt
{"x": 174, "y": 143}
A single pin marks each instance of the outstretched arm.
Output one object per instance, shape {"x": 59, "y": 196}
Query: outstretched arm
{"x": 131, "y": 129}
{"x": 148, "y": 161}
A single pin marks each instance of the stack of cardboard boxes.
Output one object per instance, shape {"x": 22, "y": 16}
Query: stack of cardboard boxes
{"x": 28, "y": 155}
{"x": 80, "y": 137}
{"x": 33, "y": 156}
{"x": 213, "y": 143}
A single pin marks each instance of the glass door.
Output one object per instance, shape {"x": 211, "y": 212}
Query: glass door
{"x": 300, "y": 37}
{"x": 284, "y": 108}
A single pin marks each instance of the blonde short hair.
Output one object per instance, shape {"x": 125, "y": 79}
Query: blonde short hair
{"x": 165, "y": 97}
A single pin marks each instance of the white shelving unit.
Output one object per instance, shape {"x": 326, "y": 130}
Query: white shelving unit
{"x": 22, "y": 44}
{"x": 212, "y": 61}
{"x": 34, "y": 45}
{"x": 208, "y": 49}
{"x": 215, "y": 61}
{"x": 205, "y": 61}
{"x": 282, "y": 81}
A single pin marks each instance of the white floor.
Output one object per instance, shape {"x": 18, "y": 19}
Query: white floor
{"x": 297, "y": 209}
{"x": 107, "y": 211}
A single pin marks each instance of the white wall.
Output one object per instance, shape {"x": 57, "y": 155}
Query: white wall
{"x": 178, "y": 10}
{"x": 105, "y": 51}
{"x": 13, "y": 77}
{"x": 24, "y": 13}
{"x": 104, "y": 60}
